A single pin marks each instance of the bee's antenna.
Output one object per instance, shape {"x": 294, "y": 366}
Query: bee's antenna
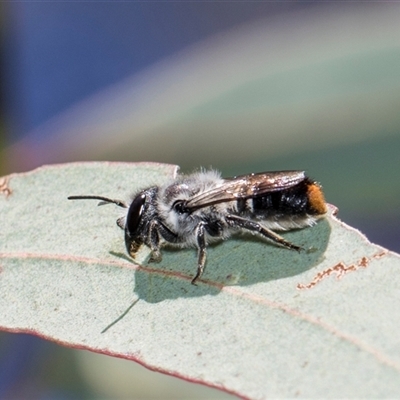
{"x": 103, "y": 200}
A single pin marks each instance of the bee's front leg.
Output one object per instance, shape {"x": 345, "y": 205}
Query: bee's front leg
{"x": 158, "y": 230}
{"x": 154, "y": 242}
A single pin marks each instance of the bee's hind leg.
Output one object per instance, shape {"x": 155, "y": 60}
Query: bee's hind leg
{"x": 248, "y": 224}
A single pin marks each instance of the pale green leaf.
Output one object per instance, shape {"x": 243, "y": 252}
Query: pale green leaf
{"x": 264, "y": 321}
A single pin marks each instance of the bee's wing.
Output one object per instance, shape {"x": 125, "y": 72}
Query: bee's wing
{"x": 246, "y": 186}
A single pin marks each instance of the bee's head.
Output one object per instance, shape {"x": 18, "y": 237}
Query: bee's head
{"x": 133, "y": 224}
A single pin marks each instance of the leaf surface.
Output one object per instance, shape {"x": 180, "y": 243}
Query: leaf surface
{"x": 263, "y": 322}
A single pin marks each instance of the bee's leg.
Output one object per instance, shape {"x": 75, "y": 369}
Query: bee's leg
{"x": 156, "y": 231}
{"x": 201, "y": 243}
{"x": 238, "y": 222}
{"x": 154, "y": 239}
{"x": 121, "y": 222}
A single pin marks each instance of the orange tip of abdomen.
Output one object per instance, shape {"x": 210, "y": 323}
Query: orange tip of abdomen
{"x": 316, "y": 198}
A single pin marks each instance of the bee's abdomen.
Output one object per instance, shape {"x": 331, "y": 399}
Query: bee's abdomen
{"x": 304, "y": 198}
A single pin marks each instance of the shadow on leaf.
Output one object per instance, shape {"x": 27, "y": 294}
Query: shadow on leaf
{"x": 243, "y": 260}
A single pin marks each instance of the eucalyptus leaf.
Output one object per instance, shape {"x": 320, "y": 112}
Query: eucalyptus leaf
{"x": 262, "y": 322}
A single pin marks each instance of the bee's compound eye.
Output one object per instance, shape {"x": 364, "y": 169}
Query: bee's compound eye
{"x": 135, "y": 214}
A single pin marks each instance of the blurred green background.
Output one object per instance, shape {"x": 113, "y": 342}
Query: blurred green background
{"x": 242, "y": 87}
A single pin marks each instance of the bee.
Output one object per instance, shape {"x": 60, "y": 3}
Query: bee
{"x": 201, "y": 208}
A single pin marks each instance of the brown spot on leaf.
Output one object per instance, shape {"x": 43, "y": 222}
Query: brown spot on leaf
{"x": 341, "y": 269}
{"x": 4, "y": 188}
